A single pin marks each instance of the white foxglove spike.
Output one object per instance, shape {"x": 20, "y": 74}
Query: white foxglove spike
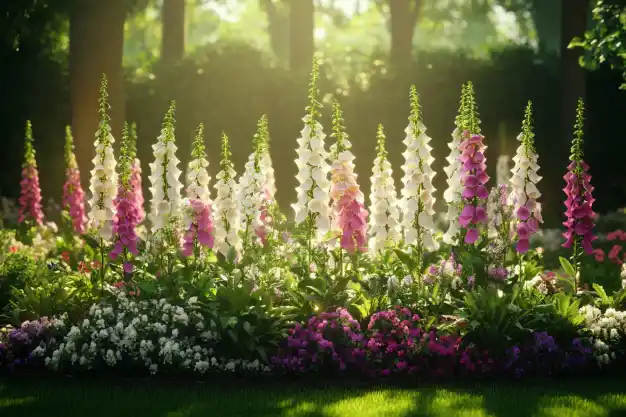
{"x": 417, "y": 203}
{"x": 103, "y": 181}
{"x": 385, "y": 215}
{"x": 227, "y": 208}
{"x": 165, "y": 185}
{"x": 313, "y": 172}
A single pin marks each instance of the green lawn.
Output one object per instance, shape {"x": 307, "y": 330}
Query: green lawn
{"x": 581, "y": 398}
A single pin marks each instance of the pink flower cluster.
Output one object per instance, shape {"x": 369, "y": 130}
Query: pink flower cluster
{"x": 529, "y": 216}
{"x": 349, "y": 211}
{"x": 74, "y": 199}
{"x": 473, "y": 178}
{"x": 578, "y": 205}
{"x": 201, "y": 228}
{"x": 30, "y": 195}
{"x": 136, "y": 187}
{"x": 124, "y": 226}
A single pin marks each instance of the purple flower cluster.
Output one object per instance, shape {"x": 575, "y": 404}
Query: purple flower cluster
{"x": 539, "y": 355}
{"x": 474, "y": 177}
{"x": 328, "y": 341}
{"x": 395, "y": 342}
{"x": 393, "y": 337}
{"x": 542, "y": 355}
{"x": 124, "y": 226}
{"x": 201, "y": 228}
{"x": 498, "y": 273}
{"x": 578, "y": 205}
{"x": 446, "y": 270}
{"x": 17, "y": 345}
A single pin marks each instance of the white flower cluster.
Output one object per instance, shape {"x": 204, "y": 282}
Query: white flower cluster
{"x": 251, "y": 194}
{"x": 418, "y": 202}
{"x": 198, "y": 180}
{"x": 268, "y": 171}
{"x": 313, "y": 171}
{"x": 385, "y": 215}
{"x": 152, "y": 334}
{"x": 525, "y": 177}
{"x": 165, "y": 185}
{"x": 226, "y": 214}
{"x": 103, "y": 183}
{"x": 608, "y": 329}
{"x": 452, "y": 195}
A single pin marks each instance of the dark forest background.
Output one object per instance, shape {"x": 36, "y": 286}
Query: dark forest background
{"x": 227, "y": 62}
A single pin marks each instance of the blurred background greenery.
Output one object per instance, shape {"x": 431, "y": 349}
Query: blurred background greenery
{"x": 228, "y": 61}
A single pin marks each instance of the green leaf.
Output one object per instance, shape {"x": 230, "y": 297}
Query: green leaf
{"x": 567, "y": 266}
{"x": 315, "y": 290}
{"x": 405, "y": 258}
{"x": 91, "y": 241}
{"x": 261, "y": 351}
{"x": 147, "y": 287}
{"x": 247, "y": 327}
{"x": 231, "y": 255}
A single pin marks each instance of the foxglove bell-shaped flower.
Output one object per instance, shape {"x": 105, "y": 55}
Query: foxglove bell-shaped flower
{"x": 252, "y": 193}
{"x": 103, "y": 184}
{"x": 269, "y": 207}
{"x": 385, "y": 215}
{"x": 227, "y": 208}
{"x": 73, "y": 194}
{"x": 198, "y": 223}
{"x": 417, "y": 204}
{"x": 473, "y": 178}
{"x": 30, "y": 191}
{"x": 126, "y": 218}
{"x": 165, "y": 185}
{"x": 452, "y": 194}
{"x": 313, "y": 169}
{"x": 348, "y": 210}
{"x": 579, "y": 214}
{"x": 499, "y": 213}
{"x": 135, "y": 175}
{"x": 524, "y": 192}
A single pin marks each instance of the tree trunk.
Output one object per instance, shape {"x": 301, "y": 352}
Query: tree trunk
{"x": 173, "y": 35}
{"x": 277, "y": 28}
{"x": 403, "y": 18}
{"x": 573, "y": 78}
{"x": 301, "y": 42}
{"x": 96, "y": 48}
{"x": 546, "y": 15}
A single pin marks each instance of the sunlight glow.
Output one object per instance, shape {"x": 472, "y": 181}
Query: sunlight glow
{"x": 320, "y": 33}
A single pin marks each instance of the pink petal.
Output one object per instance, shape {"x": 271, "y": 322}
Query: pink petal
{"x": 522, "y": 246}
{"x": 471, "y": 236}
{"x": 523, "y": 213}
{"x": 128, "y": 267}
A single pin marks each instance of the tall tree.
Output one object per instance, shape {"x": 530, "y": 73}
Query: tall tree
{"x": 174, "y": 30}
{"x": 301, "y": 42}
{"x": 96, "y": 47}
{"x": 574, "y": 16}
{"x": 277, "y": 27}
{"x": 403, "y": 16}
